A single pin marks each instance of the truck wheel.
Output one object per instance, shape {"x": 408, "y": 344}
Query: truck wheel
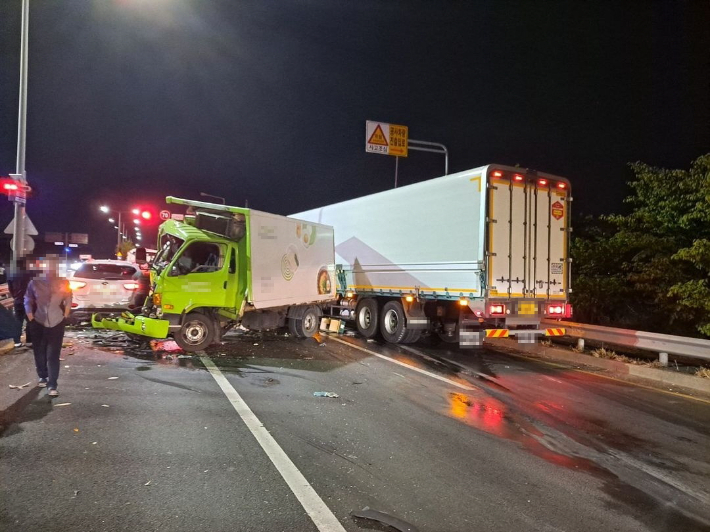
{"x": 412, "y": 336}
{"x": 367, "y": 317}
{"x": 196, "y": 333}
{"x": 393, "y": 322}
{"x": 305, "y": 326}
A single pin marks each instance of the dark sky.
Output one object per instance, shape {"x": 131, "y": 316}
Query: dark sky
{"x": 132, "y": 100}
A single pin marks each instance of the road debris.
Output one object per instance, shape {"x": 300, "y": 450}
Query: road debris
{"x": 76, "y": 492}
{"x": 94, "y": 442}
{"x": 76, "y": 430}
{"x": 148, "y": 483}
{"x": 326, "y": 394}
{"x": 394, "y": 522}
{"x": 105, "y": 406}
{"x": 112, "y": 378}
{"x": 62, "y": 404}
{"x": 19, "y": 386}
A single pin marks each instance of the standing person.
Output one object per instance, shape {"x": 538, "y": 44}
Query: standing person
{"x": 48, "y": 304}
{"x": 17, "y": 283}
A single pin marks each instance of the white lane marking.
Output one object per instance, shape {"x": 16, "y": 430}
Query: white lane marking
{"x": 321, "y": 515}
{"x": 418, "y": 370}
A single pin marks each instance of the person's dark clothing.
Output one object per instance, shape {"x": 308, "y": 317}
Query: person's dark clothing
{"x": 17, "y": 283}
{"x": 9, "y": 326}
{"x": 47, "y": 346}
{"x": 142, "y": 278}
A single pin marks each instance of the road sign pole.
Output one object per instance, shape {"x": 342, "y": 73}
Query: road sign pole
{"x": 19, "y": 223}
{"x": 396, "y": 170}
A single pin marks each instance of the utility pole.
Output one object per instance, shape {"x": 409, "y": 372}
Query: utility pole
{"x": 20, "y": 173}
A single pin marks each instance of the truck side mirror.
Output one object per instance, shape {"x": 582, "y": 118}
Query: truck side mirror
{"x": 141, "y": 255}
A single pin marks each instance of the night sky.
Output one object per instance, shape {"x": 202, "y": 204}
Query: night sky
{"x": 266, "y": 101}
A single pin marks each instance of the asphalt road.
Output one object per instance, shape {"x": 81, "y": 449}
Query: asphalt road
{"x": 445, "y": 440}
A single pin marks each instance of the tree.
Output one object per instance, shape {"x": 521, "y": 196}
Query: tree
{"x": 124, "y": 248}
{"x": 649, "y": 269}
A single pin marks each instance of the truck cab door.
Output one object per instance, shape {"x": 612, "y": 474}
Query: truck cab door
{"x": 197, "y": 278}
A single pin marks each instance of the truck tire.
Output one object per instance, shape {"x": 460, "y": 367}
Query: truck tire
{"x": 305, "y": 326}
{"x": 393, "y": 323}
{"x": 367, "y": 316}
{"x": 412, "y": 336}
{"x": 197, "y": 332}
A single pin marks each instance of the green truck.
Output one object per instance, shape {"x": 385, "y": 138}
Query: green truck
{"x": 223, "y": 266}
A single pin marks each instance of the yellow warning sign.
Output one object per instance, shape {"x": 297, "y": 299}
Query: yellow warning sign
{"x": 387, "y": 139}
{"x": 378, "y": 137}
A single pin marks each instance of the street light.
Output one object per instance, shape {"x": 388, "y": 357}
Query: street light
{"x": 136, "y": 211}
{"x": 104, "y": 208}
{"x": 137, "y": 221}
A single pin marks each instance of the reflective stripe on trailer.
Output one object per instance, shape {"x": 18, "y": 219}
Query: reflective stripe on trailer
{"x": 555, "y": 332}
{"x": 497, "y": 333}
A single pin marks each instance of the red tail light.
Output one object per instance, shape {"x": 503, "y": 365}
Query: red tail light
{"x": 518, "y": 177}
{"x": 497, "y": 173}
{"x": 561, "y": 185}
{"x": 542, "y": 182}
{"x": 496, "y": 310}
{"x": 555, "y": 310}
{"x": 130, "y": 286}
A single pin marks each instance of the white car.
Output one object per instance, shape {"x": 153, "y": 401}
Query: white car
{"x": 102, "y": 285}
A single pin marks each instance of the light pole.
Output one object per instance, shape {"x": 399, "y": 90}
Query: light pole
{"x": 18, "y": 227}
{"x": 119, "y": 232}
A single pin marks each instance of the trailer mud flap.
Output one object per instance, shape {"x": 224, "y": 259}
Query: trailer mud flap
{"x": 416, "y": 319}
{"x": 133, "y": 324}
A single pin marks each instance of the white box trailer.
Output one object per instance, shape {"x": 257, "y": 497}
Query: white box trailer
{"x": 480, "y": 253}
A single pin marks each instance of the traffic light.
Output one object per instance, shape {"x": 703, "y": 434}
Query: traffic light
{"x": 12, "y": 188}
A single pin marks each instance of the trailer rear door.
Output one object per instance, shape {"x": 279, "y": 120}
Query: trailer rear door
{"x": 527, "y": 240}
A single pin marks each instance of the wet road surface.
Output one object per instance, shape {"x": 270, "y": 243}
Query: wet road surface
{"x": 446, "y": 440}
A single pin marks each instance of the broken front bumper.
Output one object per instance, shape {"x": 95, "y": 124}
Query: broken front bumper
{"x": 133, "y": 324}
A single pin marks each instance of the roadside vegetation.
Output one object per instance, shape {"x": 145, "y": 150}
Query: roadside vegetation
{"x": 649, "y": 269}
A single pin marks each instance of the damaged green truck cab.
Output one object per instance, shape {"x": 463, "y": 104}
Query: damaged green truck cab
{"x": 202, "y": 281}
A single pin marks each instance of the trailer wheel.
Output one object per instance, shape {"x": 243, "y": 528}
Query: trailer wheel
{"x": 393, "y": 322}
{"x": 412, "y": 336}
{"x": 196, "y": 333}
{"x": 367, "y": 317}
{"x": 305, "y": 326}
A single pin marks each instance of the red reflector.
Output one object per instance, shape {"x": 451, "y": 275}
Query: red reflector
{"x": 518, "y": 177}
{"x": 74, "y": 305}
{"x": 497, "y": 173}
{"x": 497, "y": 309}
{"x": 542, "y": 182}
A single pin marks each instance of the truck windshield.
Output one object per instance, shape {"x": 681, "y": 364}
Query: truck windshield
{"x": 169, "y": 246}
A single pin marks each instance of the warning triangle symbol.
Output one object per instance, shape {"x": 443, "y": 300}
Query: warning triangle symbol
{"x": 378, "y": 137}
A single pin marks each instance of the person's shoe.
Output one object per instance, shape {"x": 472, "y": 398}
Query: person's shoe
{"x": 53, "y": 392}
{"x": 18, "y": 345}
{"x": 42, "y": 383}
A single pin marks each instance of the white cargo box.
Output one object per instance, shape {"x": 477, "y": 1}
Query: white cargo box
{"x": 490, "y": 232}
{"x": 292, "y": 261}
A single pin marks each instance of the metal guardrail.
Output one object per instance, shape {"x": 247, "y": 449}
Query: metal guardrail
{"x": 658, "y": 343}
